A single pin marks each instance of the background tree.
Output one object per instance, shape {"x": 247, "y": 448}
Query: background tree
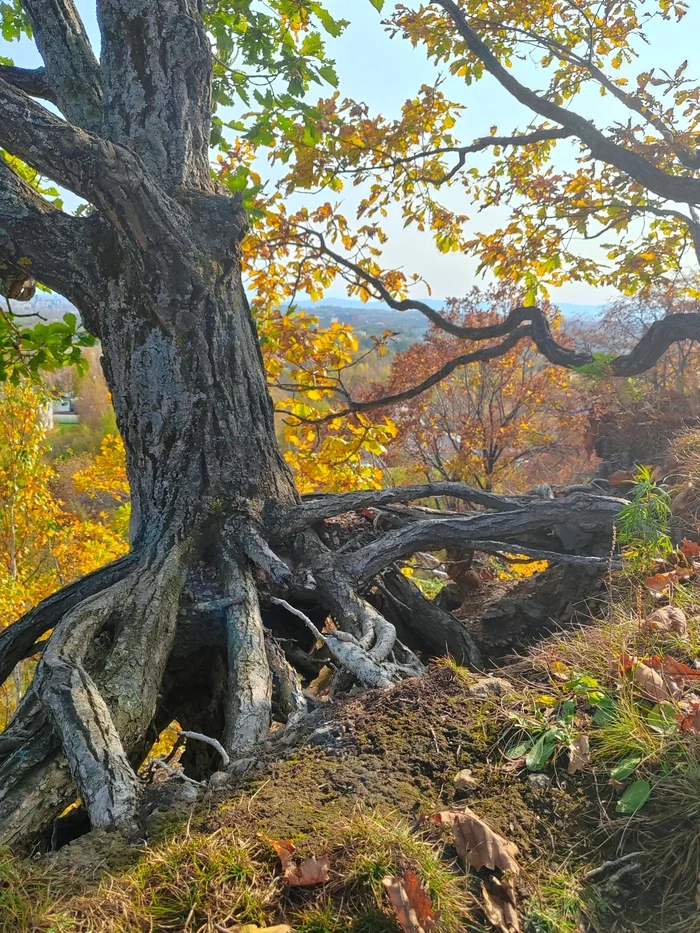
{"x": 511, "y": 423}
{"x": 154, "y": 268}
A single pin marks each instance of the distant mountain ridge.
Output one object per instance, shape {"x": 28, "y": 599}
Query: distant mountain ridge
{"x": 568, "y": 309}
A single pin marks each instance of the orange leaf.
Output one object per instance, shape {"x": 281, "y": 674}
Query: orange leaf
{"x": 690, "y": 549}
{"x": 620, "y": 477}
{"x": 311, "y": 871}
{"x": 661, "y": 582}
{"x": 411, "y": 903}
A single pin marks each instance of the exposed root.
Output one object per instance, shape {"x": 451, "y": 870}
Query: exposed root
{"x": 249, "y": 695}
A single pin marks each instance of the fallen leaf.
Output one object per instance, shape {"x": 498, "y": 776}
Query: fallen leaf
{"x": 671, "y": 667}
{"x": 411, "y": 903}
{"x": 660, "y": 583}
{"x": 309, "y": 872}
{"x": 620, "y": 478}
{"x": 500, "y": 907}
{"x": 690, "y": 549}
{"x": 654, "y": 685}
{"x": 669, "y": 619}
{"x": 689, "y": 719}
{"x": 253, "y": 928}
{"x": 579, "y": 754}
{"x": 559, "y": 671}
{"x": 681, "y": 500}
{"x": 477, "y": 843}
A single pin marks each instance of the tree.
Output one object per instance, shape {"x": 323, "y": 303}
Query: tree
{"x": 154, "y": 267}
{"x": 42, "y": 543}
{"x": 515, "y": 421}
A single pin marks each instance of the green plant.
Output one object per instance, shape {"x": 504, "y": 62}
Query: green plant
{"x": 543, "y": 733}
{"x": 643, "y": 524}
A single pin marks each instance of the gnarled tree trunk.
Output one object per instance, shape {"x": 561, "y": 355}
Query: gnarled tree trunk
{"x": 155, "y": 273}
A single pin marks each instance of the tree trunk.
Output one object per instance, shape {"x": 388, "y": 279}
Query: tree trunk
{"x": 154, "y": 270}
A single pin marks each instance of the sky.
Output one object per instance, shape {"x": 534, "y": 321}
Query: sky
{"x": 384, "y": 72}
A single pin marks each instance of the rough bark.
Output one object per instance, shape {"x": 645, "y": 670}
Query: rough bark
{"x": 218, "y": 533}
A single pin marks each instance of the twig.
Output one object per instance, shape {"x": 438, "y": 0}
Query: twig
{"x": 213, "y": 742}
{"x": 609, "y": 866}
{"x": 173, "y": 772}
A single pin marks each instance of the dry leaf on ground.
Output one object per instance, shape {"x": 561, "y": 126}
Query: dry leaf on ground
{"x": 655, "y": 686}
{"x": 309, "y": 872}
{"x": 690, "y": 549}
{"x": 667, "y": 620}
{"x": 689, "y": 718}
{"x": 500, "y": 907}
{"x": 252, "y": 928}
{"x": 660, "y": 583}
{"x": 478, "y": 844}
{"x": 411, "y": 903}
{"x": 579, "y": 754}
{"x": 620, "y": 478}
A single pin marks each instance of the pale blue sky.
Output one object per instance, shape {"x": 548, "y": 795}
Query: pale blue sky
{"x": 384, "y": 73}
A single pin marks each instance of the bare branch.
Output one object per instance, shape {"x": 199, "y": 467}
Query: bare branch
{"x": 460, "y": 532}
{"x": 109, "y": 176}
{"x": 38, "y": 241}
{"x": 71, "y": 69}
{"x": 501, "y": 548}
{"x": 199, "y": 737}
{"x": 326, "y": 506}
{"x": 30, "y": 80}
{"x": 680, "y": 188}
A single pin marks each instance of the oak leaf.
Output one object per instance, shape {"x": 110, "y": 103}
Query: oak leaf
{"x": 654, "y": 685}
{"x": 411, "y": 903}
{"x": 690, "y": 549}
{"x": 478, "y": 844}
{"x": 308, "y": 872}
{"x": 667, "y": 620}
{"x": 500, "y": 907}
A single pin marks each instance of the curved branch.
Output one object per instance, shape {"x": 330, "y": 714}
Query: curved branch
{"x": 501, "y": 548}
{"x": 684, "y": 189}
{"x": 460, "y": 532}
{"x": 109, "y": 176}
{"x": 41, "y": 242}
{"x": 326, "y": 506}
{"x": 30, "y": 80}
{"x": 71, "y": 69}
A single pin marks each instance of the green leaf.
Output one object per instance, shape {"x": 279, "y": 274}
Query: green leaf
{"x": 634, "y": 798}
{"x": 662, "y": 718}
{"x": 377, "y": 4}
{"x": 605, "y": 712}
{"x": 624, "y": 768}
{"x": 541, "y": 752}
{"x": 519, "y": 750}
{"x": 567, "y": 711}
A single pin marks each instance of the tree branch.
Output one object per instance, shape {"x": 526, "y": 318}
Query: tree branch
{"x": 326, "y": 506}
{"x": 109, "y": 176}
{"x": 71, "y": 69}
{"x": 38, "y": 241}
{"x": 684, "y": 189}
{"x": 30, "y": 80}
{"x": 479, "y": 145}
{"x": 578, "y": 509}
